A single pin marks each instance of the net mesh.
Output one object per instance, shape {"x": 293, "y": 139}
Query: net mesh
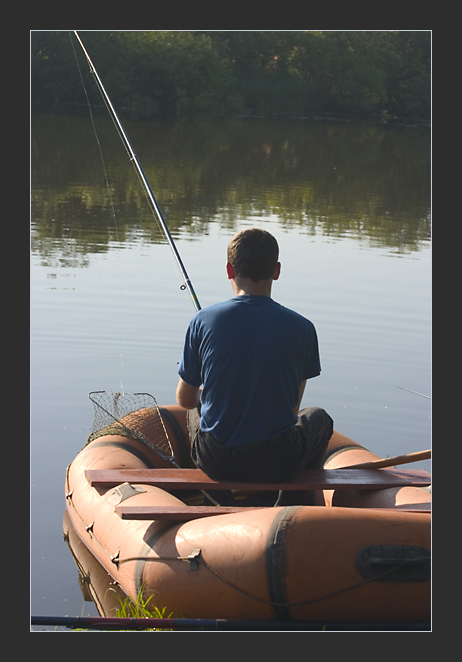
{"x": 134, "y": 415}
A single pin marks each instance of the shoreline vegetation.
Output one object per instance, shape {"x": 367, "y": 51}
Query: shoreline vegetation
{"x": 378, "y": 76}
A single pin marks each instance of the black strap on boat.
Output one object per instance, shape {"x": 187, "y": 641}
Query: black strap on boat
{"x": 147, "y": 548}
{"x": 276, "y": 565}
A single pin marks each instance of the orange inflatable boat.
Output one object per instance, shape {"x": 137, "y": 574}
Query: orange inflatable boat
{"x": 356, "y": 554}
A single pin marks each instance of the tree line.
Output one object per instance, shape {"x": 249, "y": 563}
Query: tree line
{"x": 181, "y": 75}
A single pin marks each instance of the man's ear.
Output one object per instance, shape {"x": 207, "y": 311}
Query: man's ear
{"x": 277, "y": 271}
{"x": 229, "y": 271}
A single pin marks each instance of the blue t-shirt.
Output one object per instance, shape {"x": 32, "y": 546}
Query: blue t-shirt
{"x": 250, "y": 354}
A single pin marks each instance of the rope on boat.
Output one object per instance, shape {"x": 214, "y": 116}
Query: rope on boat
{"x": 198, "y": 558}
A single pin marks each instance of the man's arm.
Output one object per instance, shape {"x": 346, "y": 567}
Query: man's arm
{"x": 300, "y": 396}
{"x": 187, "y": 396}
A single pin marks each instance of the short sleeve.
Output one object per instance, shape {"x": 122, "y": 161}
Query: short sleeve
{"x": 312, "y": 367}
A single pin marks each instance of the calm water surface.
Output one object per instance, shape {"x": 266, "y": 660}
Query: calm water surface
{"x": 350, "y": 207}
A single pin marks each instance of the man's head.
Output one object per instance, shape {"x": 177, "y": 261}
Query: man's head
{"x": 253, "y": 253}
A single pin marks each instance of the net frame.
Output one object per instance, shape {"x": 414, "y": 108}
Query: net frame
{"x": 139, "y": 417}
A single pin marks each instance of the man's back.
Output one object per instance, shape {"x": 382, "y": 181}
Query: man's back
{"x": 251, "y": 355}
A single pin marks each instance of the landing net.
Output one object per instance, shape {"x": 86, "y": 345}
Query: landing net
{"x": 133, "y": 415}
{"x": 137, "y": 416}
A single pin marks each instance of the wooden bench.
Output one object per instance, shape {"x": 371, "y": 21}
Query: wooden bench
{"x": 194, "y": 479}
{"x": 185, "y": 513}
{"x": 310, "y": 479}
{"x": 180, "y": 512}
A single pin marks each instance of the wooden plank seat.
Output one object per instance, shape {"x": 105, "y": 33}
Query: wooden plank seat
{"x": 184, "y": 513}
{"x": 194, "y": 479}
{"x": 181, "y": 512}
{"x": 310, "y": 479}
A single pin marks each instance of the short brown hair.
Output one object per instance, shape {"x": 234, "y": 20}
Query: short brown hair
{"x": 254, "y": 254}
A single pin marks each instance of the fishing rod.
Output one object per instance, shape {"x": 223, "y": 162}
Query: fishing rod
{"x": 126, "y": 623}
{"x": 155, "y": 207}
{"x": 415, "y": 392}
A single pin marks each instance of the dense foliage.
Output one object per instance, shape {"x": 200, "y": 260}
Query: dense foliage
{"x": 186, "y": 75}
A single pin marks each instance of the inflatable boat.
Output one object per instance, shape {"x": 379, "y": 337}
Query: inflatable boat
{"x": 356, "y": 549}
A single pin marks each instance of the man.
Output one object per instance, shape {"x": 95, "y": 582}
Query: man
{"x": 252, "y": 357}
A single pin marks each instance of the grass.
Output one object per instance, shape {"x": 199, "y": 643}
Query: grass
{"x": 130, "y": 608}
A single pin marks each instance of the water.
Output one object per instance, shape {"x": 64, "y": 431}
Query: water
{"x": 349, "y": 205}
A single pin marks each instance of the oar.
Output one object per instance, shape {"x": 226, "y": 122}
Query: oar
{"x": 392, "y": 461}
{"x": 136, "y": 163}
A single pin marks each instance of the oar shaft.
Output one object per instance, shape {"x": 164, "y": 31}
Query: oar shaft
{"x": 393, "y": 461}
{"x": 142, "y": 176}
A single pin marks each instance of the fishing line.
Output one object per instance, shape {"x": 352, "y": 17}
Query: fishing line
{"x": 133, "y": 158}
{"x": 97, "y": 141}
{"x": 106, "y": 178}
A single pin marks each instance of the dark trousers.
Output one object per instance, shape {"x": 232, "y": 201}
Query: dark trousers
{"x": 276, "y": 460}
